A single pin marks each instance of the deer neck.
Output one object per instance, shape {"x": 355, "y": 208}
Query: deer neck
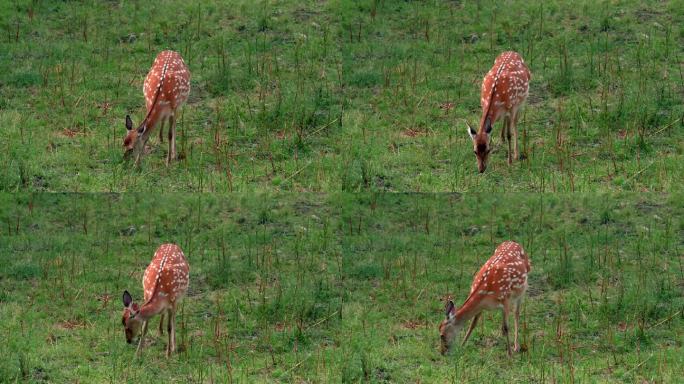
{"x": 153, "y": 117}
{"x": 468, "y": 310}
{"x": 153, "y": 307}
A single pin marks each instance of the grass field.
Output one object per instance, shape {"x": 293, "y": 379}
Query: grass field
{"x": 302, "y": 116}
{"x": 342, "y": 287}
{"x": 342, "y": 95}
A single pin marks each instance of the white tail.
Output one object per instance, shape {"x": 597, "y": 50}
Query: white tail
{"x": 166, "y": 88}
{"x": 500, "y": 283}
{"x": 164, "y": 283}
{"x": 504, "y": 90}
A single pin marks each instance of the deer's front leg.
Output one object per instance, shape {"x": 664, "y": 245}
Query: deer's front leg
{"x": 161, "y": 324}
{"x": 508, "y": 123}
{"x": 140, "y": 146}
{"x": 473, "y": 323}
{"x": 138, "y": 150}
{"x": 142, "y": 339}
{"x": 171, "y": 347}
{"x": 516, "y": 154}
{"x": 161, "y": 131}
{"x": 172, "y": 139}
{"x": 504, "y": 329}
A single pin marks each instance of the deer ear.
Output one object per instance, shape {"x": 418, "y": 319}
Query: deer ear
{"x": 488, "y": 126}
{"x": 129, "y": 123}
{"x": 471, "y": 131}
{"x": 449, "y": 309}
{"x": 127, "y": 299}
{"x": 141, "y": 129}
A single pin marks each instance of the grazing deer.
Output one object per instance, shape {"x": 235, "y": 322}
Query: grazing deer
{"x": 166, "y": 88}
{"x": 500, "y": 283}
{"x": 164, "y": 283}
{"x": 504, "y": 89}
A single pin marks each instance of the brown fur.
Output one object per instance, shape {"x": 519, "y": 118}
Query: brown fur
{"x": 504, "y": 90}
{"x": 500, "y": 283}
{"x": 166, "y": 88}
{"x": 165, "y": 281}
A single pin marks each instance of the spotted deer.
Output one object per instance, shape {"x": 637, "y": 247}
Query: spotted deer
{"x": 164, "y": 283}
{"x": 166, "y": 88}
{"x": 500, "y": 283}
{"x": 504, "y": 90}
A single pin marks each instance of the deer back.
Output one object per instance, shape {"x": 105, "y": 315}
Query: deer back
{"x": 502, "y": 277}
{"x": 504, "y": 87}
{"x": 167, "y": 275}
{"x": 167, "y": 82}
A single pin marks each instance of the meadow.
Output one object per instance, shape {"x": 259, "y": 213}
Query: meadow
{"x": 304, "y": 118}
{"x": 342, "y": 96}
{"x": 342, "y": 287}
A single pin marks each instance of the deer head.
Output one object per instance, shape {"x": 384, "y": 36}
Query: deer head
{"x": 449, "y": 328}
{"x": 481, "y": 144}
{"x": 131, "y": 319}
{"x": 133, "y": 141}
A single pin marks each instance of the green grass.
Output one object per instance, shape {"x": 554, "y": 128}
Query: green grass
{"x": 342, "y": 287}
{"x": 342, "y": 95}
{"x": 293, "y": 97}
